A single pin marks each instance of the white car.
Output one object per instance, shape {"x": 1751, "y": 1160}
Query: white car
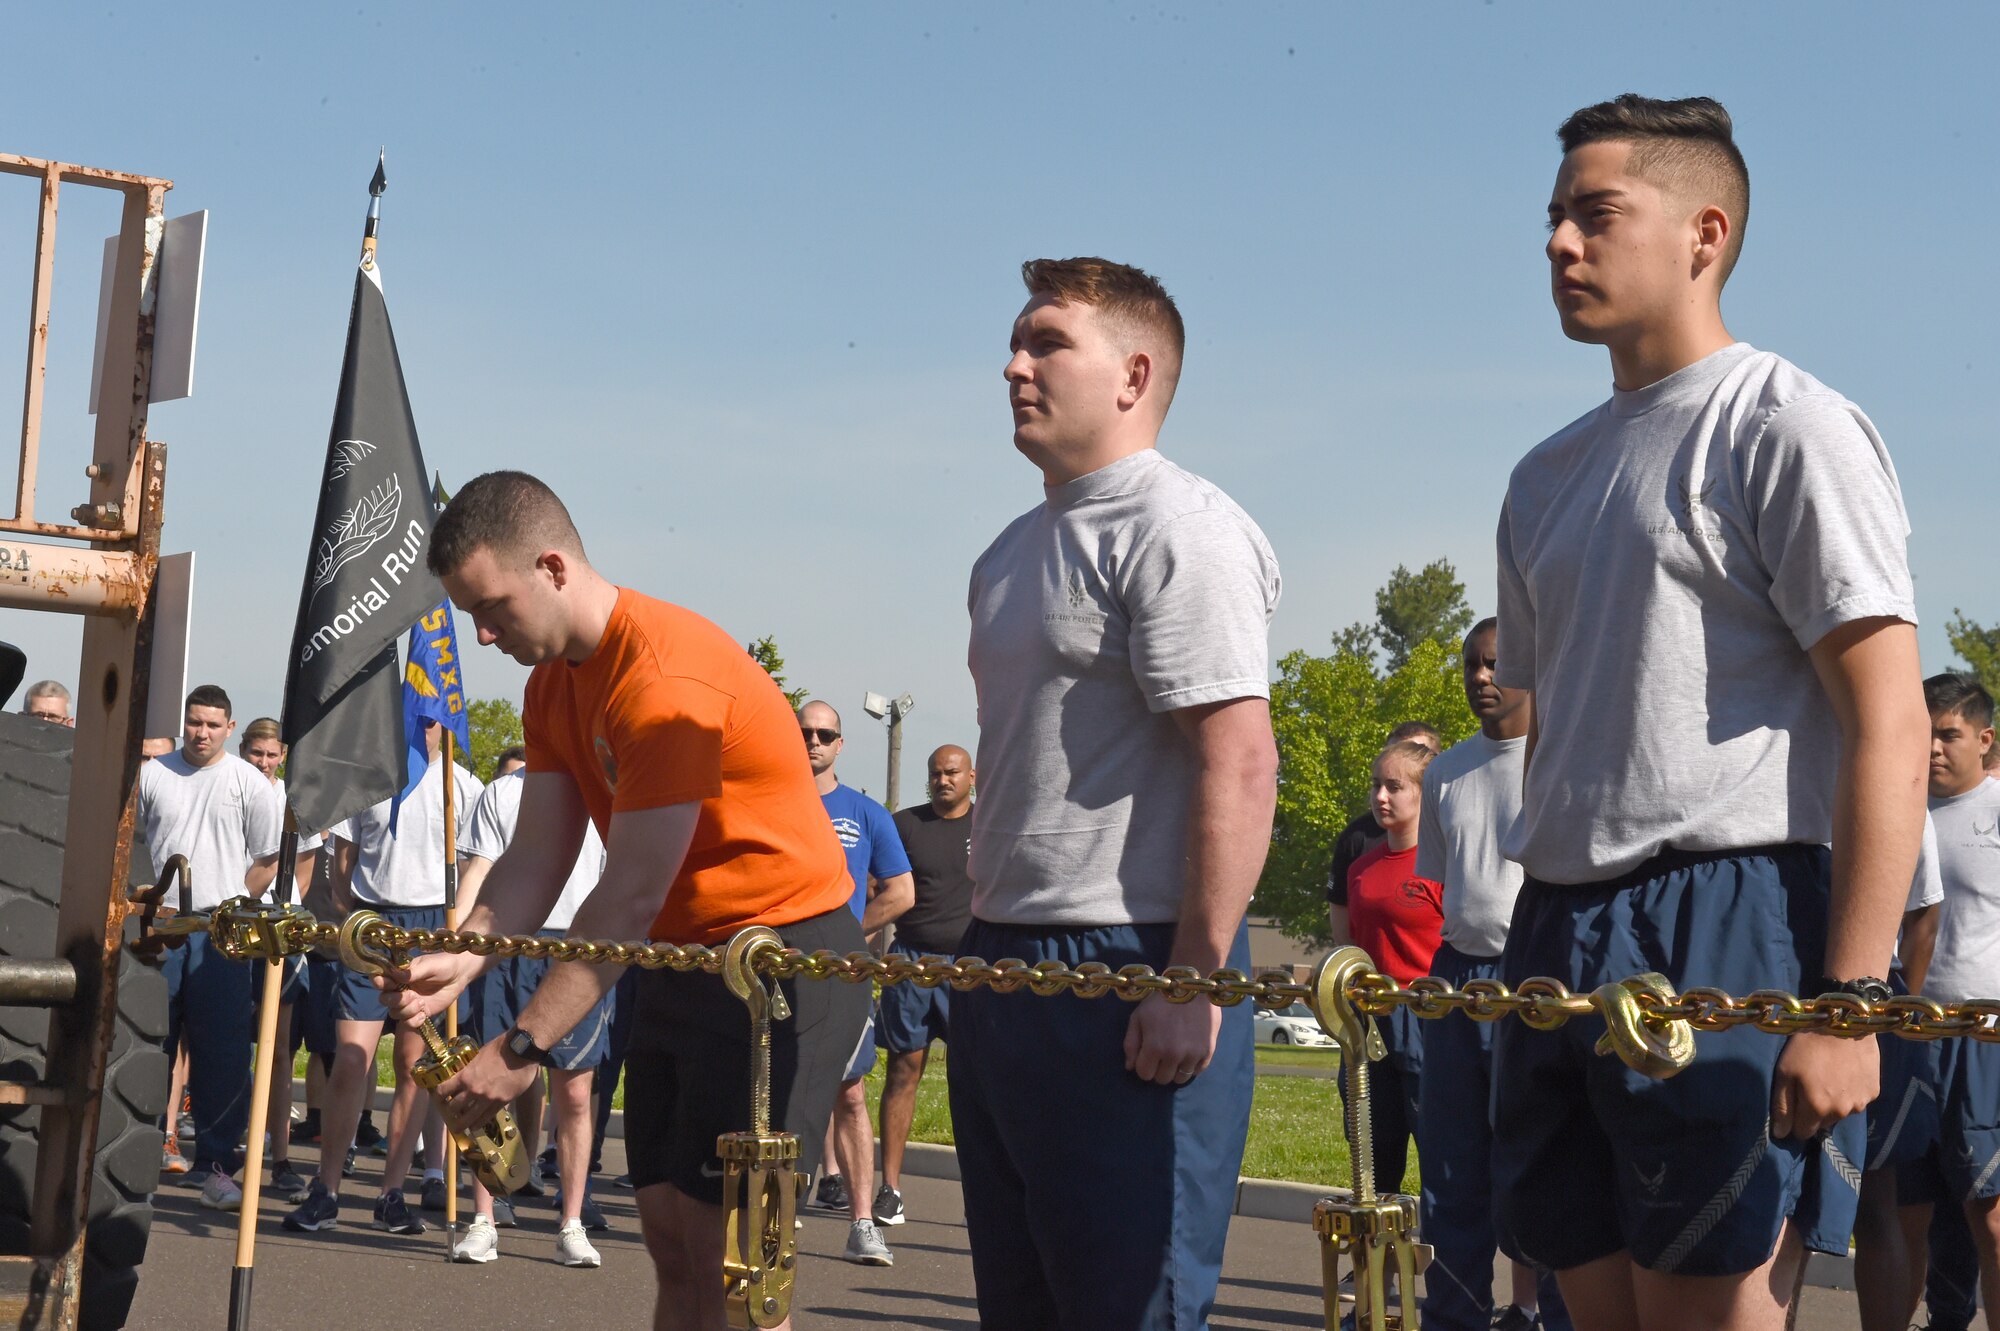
{"x": 1295, "y": 1025}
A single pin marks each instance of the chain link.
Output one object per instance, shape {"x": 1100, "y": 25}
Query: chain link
{"x": 1540, "y": 1002}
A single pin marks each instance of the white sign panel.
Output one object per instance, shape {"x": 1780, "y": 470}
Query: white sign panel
{"x": 183, "y": 248}
{"x": 173, "y": 601}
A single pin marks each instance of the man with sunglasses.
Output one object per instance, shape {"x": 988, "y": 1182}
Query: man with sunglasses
{"x": 874, "y": 856}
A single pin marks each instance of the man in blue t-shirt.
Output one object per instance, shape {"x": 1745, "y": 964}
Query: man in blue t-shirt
{"x": 884, "y": 888}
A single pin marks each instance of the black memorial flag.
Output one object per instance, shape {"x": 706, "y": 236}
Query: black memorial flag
{"x": 365, "y": 582}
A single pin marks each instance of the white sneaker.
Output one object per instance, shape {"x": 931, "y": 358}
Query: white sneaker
{"x": 220, "y": 1193}
{"x": 573, "y": 1246}
{"x": 480, "y": 1244}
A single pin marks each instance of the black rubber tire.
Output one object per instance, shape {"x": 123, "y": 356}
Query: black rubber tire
{"x": 34, "y": 801}
{"x": 1281, "y": 1036}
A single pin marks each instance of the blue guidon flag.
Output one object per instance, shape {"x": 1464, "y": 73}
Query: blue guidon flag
{"x": 432, "y": 691}
{"x": 365, "y": 579}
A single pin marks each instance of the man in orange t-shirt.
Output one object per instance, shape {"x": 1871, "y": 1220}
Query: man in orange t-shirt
{"x": 652, "y": 723}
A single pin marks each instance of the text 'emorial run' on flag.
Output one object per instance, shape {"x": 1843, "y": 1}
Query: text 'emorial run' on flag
{"x": 365, "y": 579}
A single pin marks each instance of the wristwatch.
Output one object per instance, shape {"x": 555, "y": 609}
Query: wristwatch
{"x": 522, "y": 1045}
{"x": 1868, "y": 989}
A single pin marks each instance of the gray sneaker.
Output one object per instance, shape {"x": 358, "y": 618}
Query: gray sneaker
{"x": 503, "y": 1213}
{"x": 865, "y": 1246}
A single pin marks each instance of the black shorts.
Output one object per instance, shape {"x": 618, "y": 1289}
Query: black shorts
{"x": 687, "y": 1074}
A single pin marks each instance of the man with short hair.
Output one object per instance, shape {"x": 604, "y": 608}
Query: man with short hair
{"x": 400, "y": 875}
{"x": 654, "y": 725}
{"x": 206, "y": 803}
{"x": 1958, "y": 1166}
{"x": 1704, "y": 582}
{"x": 937, "y": 837}
{"x": 1471, "y": 796}
{"x": 48, "y": 700}
{"x": 504, "y": 993}
{"x": 883, "y": 890}
{"x": 1362, "y": 833}
{"x": 1120, "y": 655}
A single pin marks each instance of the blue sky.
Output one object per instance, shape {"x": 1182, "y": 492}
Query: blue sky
{"x": 737, "y": 279}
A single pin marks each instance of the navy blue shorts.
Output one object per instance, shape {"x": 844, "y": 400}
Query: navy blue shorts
{"x": 355, "y": 996}
{"x": 911, "y": 1016}
{"x": 1960, "y": 1161}
{"x": 1455, "y": 1150}
{"x": 1903, "y": 1120}
{"x": 1591, "y": 1158}
{"x": 1042, "y": 1255}
{"x": 862, "y": 1061}
{"x": 313, "y": 1010}
{"x": 501, "y": 995}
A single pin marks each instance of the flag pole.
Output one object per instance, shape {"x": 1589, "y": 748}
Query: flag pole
{"x": 243, "y": 1272}
{"x": 450, "y": 1012}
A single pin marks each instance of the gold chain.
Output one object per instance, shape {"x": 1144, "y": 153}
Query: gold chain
{"x": 1540, "y": 1002}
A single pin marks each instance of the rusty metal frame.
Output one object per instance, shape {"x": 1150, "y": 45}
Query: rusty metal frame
{"x": 110, "y": 581}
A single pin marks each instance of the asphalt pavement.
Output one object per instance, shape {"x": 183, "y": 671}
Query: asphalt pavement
{"x": 357, "y": 1277}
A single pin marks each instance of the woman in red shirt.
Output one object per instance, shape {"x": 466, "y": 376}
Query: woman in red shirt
{"x": 1396, "y": 918}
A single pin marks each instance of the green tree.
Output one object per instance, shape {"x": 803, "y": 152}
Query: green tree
{"x": 764, "y": 652}
{"x": 1415, "y": 607}
{"x": 495, "y": 724}
{"x": 1978, "y": 647}
{"x": 1331, "y": 715}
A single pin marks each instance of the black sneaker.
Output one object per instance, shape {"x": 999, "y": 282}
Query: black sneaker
{"x": 888, "y": 1206}
{"x": 831, "y": 1194}
{"x": 394, "y": 1215}
{"x": 503, "y": 1214}
{"x": 433, "y": 1194}
{"x": 366, "y": 1134}
{"x": 1515, "y": 1318}
{"x": 305, "y": 1132}
{"x": 592, "y": 1215}
{"x": 319, "y": 1211}
{"x": 623, "y": 1181}
{"x": 285, "y": 1181}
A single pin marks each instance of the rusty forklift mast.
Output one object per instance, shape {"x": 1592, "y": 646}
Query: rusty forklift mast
{"x": 100, "y": 564}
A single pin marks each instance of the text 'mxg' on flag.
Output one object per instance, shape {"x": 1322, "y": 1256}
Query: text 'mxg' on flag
{"x": 433, "y": 690}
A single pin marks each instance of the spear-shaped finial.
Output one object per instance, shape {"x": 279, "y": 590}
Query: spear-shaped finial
{"x": 376, "y": 186}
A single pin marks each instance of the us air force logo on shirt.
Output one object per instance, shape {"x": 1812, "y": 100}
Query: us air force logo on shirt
{"x": 848, "y": 831}
{"x": 1082, "y": 605}
{"x": 1686, "y": 511}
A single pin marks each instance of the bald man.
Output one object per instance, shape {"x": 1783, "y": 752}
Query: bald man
{"x": 936, "y": 836}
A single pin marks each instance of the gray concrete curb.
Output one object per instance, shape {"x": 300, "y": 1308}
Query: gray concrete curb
{"x": 1257, "y": 1198}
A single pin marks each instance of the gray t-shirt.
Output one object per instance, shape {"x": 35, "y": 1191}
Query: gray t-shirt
{"x": 222, "y": 817}
{"x": 1472, "y": 794}
{"x": 1132, "y": 592}
{"x": 491, "y": 830}
{"x": 1966, "y": 962}
{"x": 407, "y": 869}
{"x": 1665, "y": 564}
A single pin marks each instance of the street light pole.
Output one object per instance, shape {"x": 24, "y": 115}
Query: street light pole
{"x": 892, "y": 710}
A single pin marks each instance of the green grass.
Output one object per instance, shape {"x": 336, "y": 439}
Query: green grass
{"x": 1294, "y": 1121}
{"x": 1271, "y": 1055}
